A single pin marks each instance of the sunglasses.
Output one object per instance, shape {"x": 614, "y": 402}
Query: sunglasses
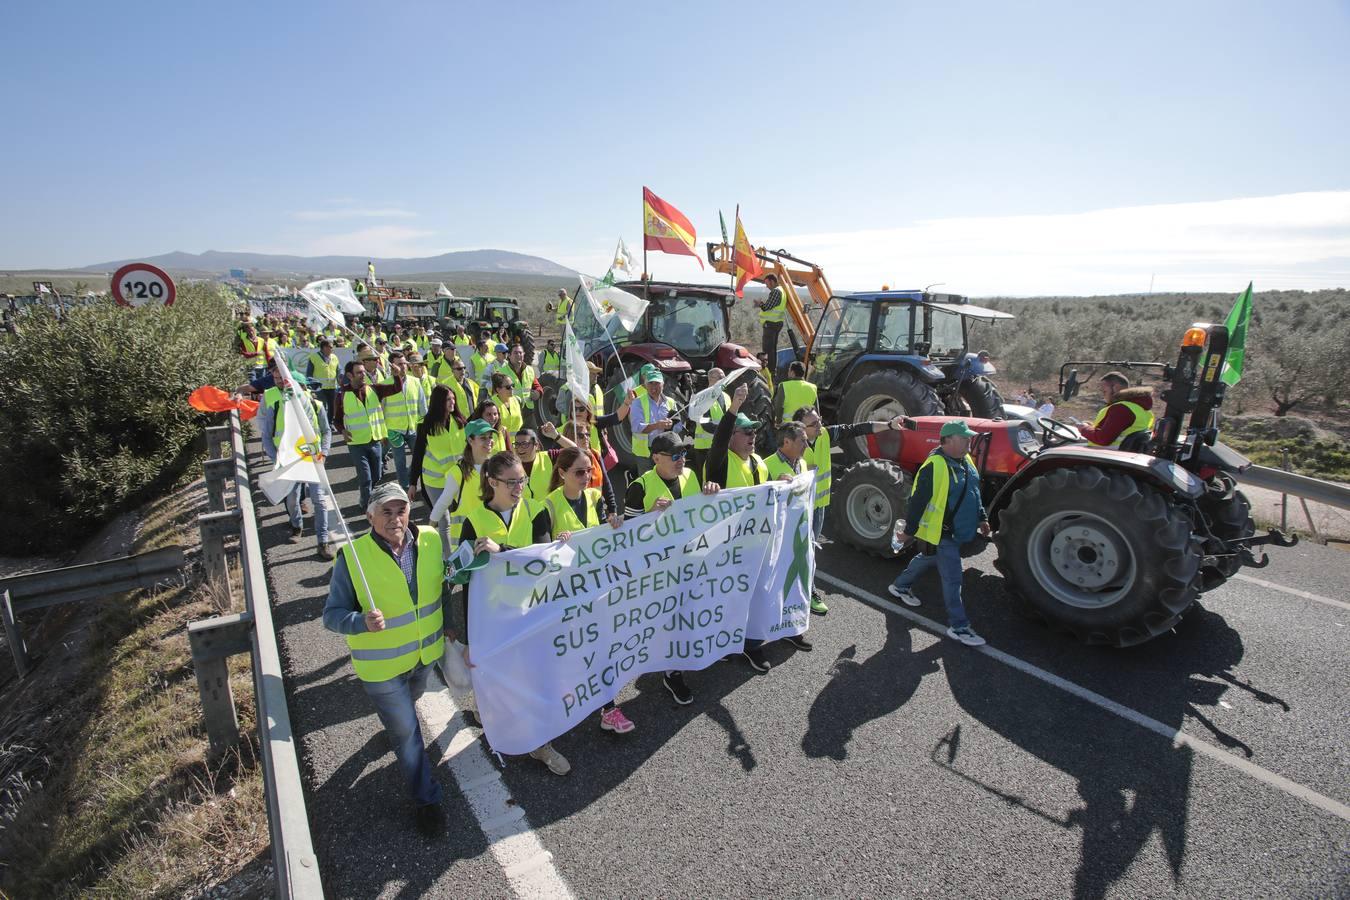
{"x": 581, "y": 473}
{"x": 456, "y": 368}
{"x": 510, "y": 482}
{"x": 677, "y": 455}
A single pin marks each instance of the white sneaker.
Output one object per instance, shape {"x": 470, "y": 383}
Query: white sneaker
{"x": 965, "y": 636}
{"x": 556, "y": 762}
{"x": 904, "y": 597}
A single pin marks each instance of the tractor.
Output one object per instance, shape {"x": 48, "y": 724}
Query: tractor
{"x": 684, "y": 333}
{"x": 1110, "y": 545}
{"x": 490, "y": 313}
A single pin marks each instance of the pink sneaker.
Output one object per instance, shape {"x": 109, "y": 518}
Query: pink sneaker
{"x": 614, "y": 720}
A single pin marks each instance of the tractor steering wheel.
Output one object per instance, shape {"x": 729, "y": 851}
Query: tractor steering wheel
{"x": 883, "y": 342}
{"x": 1055, "y": 433}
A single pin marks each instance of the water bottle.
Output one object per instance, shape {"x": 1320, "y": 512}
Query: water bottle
{"x": 898, "y": 536}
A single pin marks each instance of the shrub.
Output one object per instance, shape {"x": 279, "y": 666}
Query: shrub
{"x": 95, "y": 409}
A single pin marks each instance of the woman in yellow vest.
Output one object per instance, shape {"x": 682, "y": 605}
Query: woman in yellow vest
{"x": 437, "y": 448}
{"x": 394, "y": 626}
{"x": 459, "y": 496}
{"x": 492, "y": 414}
{"x": 505, "y": 519}
{"x": 508, "y": 404}
{"x": 573, "y": 505}
{"x": 537, "y": 462}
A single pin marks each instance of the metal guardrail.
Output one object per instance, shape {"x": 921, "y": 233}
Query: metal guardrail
{"x": 214, "y": 640}
{"x": 1327, "y": 492}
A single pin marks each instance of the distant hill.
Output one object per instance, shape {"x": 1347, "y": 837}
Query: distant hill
{"x": 218, "y": 262}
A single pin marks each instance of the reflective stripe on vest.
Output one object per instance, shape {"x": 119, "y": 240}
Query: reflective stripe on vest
{"x": 520, "y": 385}
{"x": 745, "y": 472}
{"x": 412, "y": 633}
{"x": 364, "y": 420}
{"x": 777, "y": 467}
{"x": 488, "y": 523}
{"x": 797, "y": 394}
{"x": 564, "y": 517}
{"x": 703, "y": 439}
{"x": 818, "y": 457}
{"x": 443, "y": 451}
{"x": 541, "y": 470}
{"x": 779, "y": 312}
{"x": 401, "y": 409}
{"x": 325, "y": 370}
{"x": 935, "y": 513}
{"x": 653, "y": 488}
{"x": 1143, "y": 420}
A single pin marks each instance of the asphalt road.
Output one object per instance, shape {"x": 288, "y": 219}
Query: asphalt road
{"x": 889, "y": 761}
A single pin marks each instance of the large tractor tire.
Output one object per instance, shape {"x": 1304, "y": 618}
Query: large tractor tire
{"x": 758, "y": 405}
{"x": 981, "y": 399}
{"x": 1104, "y": 556}
{"x": 1229, "y": 514}
{"x": 527, "y": 344}
{"x": 546, "y": 404}
{"x": 884, "y": 395}
{"x": 865, "y": 501}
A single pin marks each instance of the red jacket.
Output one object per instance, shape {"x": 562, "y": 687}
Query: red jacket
{"x": 1118, "y": 416}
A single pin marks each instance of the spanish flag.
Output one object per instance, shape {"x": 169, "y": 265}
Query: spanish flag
{"x": 747, "y": 263}
{"x": 665, "y": 228}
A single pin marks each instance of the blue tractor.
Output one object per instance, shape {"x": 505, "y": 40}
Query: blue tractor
{"x": 879, "y": 354}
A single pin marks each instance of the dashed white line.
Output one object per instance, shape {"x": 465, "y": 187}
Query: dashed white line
{"x": 1340, "y": 604}
{"x": 528, "y": 866}
{"x": 1178, "y": 738}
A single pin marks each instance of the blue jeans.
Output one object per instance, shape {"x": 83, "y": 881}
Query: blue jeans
{"x": 401, "y": 457}
{"x": 948, "y": 562}
{"x": 366, "y": 461}
{"x": 394, "y": 701}
{"x": 317, "y": 500}
{"x": 817, "y": 522}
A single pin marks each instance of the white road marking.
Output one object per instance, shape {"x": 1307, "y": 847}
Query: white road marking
{"x": 1178, "y": 738}
{"x": 528, "y": 866}
{"x": 1340, "y": 604}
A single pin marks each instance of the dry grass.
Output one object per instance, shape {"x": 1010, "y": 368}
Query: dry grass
{"x": 123, "y": 802}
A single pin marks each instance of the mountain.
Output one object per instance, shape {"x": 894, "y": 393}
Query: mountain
{"x": 218, "y": 262}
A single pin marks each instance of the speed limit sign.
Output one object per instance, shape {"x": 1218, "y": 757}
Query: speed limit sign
{"x": 140, "y": 284}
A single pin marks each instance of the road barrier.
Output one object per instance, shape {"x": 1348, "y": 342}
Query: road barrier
{"x": 1327, "y": 492}
{"x": 251, "y": 631}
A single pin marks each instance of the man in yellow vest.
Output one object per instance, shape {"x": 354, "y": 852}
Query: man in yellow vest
{"x": 551, "y": 361}
{"x": 944, "y": 512}
{"x": 461, "y": 338}
{"x": 480, "y": 362}
{"x": 564, "y": 309}
{"x": 438, "y": 364}
{"x": 649, "y": 416}
{"x": 385, "y": 597}
{"x": 772, "y": 314}
{"x": 402, "y": 412}
{"x": 522, "y": 377}
{"x": 1128, "y": 411}
{"x": 360, "y": 417}
{"x": 793, "y": 393}
{"x": 703, "y": 430}
{"x": 272, "y": 424}
{"x": 323, "y": 368}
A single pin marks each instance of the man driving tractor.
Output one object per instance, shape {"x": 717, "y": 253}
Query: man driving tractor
{"x": 1128, "y": 411}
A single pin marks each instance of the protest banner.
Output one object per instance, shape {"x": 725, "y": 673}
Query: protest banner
{"x": 557, "y": 630}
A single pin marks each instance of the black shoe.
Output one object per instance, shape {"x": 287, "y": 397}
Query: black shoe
{"x": 756, "y": 659}
{"x": 430, "y": 820}
{"x": 295, "y": 534}
{"x": 472, "y": 719}
{"x": 674, "y": 682}
{"x": 800, "y": 642}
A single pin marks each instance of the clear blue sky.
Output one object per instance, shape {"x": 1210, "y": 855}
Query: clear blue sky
{"x": 413, "y": 128}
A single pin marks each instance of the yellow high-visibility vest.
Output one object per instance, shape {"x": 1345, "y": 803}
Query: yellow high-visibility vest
{"x": 564, "y": 517}
{"x": 364, "y": 420}
{"x": 653, "y": 488}
{"x": 413, "y": 632}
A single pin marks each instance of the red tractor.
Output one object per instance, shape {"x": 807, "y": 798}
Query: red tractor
{"x": 1111, "y": 545}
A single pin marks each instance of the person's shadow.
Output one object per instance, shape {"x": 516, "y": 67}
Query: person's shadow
{"x": 859, "y": 692}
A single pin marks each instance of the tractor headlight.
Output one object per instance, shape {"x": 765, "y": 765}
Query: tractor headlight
{"x": 1026, "y": 440}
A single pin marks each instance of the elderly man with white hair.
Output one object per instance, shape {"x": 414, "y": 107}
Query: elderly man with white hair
{"x": 385, "y": 598}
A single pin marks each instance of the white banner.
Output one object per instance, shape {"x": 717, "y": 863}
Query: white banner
{"x": 557, "y": 630}
{"x": 337, "y": 291}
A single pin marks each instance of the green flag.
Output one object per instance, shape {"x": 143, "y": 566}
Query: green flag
{"x": 1238, "y": 322}
{"x": 721, "y": 219}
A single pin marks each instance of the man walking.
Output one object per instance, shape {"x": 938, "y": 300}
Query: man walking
{"x": 360, "y": 418}
{"x": 385, "y": 597}
{"x": 944, "y": 512}
{"x": 272, "y": 422}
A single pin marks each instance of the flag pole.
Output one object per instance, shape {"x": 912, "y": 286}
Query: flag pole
{"x": 734, "y": 236}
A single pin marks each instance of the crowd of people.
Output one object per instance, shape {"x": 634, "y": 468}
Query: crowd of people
{"x": 461, "y": 439}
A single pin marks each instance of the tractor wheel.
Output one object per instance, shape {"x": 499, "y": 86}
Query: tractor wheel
{"x": 546, "y": 404}
{"x": 1230, "y": 518}
{"x": 883, "y": 395}
{"x": 1104, "y": 556}
{"x": 758, "y": 405}
{"x": 527, "y": 344}
{"x": 981, "y": 398}
{"x": 865, "y": 501}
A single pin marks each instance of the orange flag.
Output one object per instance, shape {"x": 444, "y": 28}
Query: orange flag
{"x": 212, "y": 399}
{"x": 747, "y": 263}
{"x": 665, "y": 228}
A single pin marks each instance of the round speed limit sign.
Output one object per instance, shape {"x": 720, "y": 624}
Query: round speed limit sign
{"x": 140, "y": 284}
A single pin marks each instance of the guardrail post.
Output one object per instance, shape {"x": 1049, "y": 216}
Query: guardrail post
{"x": 215, "y": 527}
{"x": 216, "y": 437}
{"x": 213, "y": 642}
{"x": 217, "y": 471}
{"x": 14, "y": 636}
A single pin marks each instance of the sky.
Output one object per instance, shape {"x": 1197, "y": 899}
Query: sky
{"x": 994, "y": 148}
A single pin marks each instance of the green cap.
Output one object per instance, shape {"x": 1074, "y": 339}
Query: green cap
{"x": 745, "y": 422}
{"x": 957, "y": 428}
{"x": 475, "y": 427}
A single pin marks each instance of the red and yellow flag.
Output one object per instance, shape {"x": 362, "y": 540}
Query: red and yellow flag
{"x": 665, "y": 228}
{"x": 743, "y": 255}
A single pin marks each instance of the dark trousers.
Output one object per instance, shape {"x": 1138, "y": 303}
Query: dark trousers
{"x": 771, "y": 332}
{"x": 327, "y": 396}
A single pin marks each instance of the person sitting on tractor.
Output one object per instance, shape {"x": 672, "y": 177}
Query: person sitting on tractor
{"x": 944, "y": 512}
{"x": 1127, "y": 412}
{"x": 793, "y": 393}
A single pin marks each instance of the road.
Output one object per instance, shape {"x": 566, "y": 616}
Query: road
{"x": 890, "y": 761}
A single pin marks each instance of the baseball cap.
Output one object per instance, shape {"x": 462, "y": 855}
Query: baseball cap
{"x": 381, "y": 340}
{"x": 437, "y": 342}
{"x": 502, "y": 348}
{"x": 668, "y": 442}
{"x": 475, "y": 427}
{"x": 745, "y": 422}
{"x": 387, "y": 492}
{"x": 957, "y": 428}
{"x": 650, "y": 375}
{"x": 413, "y": 357}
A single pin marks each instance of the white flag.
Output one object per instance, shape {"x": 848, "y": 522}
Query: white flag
{"x": 43, "y": 289}
{"x": 700, "y": 403}
{"x": 299, "y": 452}
{"x": 578, "y": 376}
{"x": 443, "y": 291}
{"x": 623, "y": 259}
{"x": 338, "y": 291}
{"x": 610, "y": 303}
{"x": 321, "y": 312}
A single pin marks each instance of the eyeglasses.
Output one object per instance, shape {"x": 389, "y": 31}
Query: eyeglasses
{"x": 677, "y": 455}
{"x": 510, "y": 482}
{"x": 523, "y": 442}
